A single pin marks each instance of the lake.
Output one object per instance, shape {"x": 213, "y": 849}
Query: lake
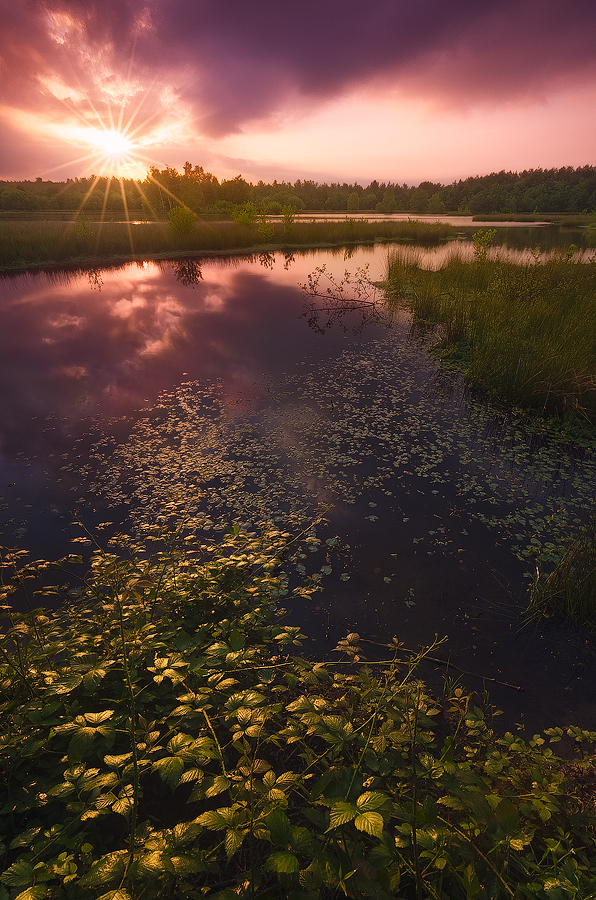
{"x": 126, "y": 386}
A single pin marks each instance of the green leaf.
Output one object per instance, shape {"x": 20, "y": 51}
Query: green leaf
{"x": 120, "y": 894}
{"x": 234, "y": 839}
{"x": 507, "y": 816}
{"x": 179, "y": 742}
{"x": 185, "y": 864}
{"x": 170, "y": 769}
{"x": 370, "y": 800}
{"x": 24, "y": 839}
{"x": 370, "y": 822}
{"x": 220, "y": 784}
{"x": 226, "y": 684}
{"x": 302, "y": 840}
{"x": 80, "y": 743}
{"x": 237, "y": 640}
{"x": 283, "y": 861}
{"x": 155, "y": 863}
{"x": 99, "y": 718}
{"x": 20, "y": 874}
{"x": 114, "y": 762}
{"x": 32, "y": 893}
{"x": 185, "y": 832}
{"x": 311, "y": 878}
{"x": 108, "y": 868}
{"x": 92, "y": 677}
{"x": 213, "y": 820}
{"x": 280, "y": 828}
{"x": 65, "y": 685}
{"x": 340, "y": 813}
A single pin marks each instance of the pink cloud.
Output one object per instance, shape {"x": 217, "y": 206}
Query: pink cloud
{"x": 204, "y": 70}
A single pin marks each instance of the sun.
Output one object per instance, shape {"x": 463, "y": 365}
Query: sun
{"x": 112, "y": 143}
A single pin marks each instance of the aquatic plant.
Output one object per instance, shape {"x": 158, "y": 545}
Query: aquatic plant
{"x": 482, "y": 240}
{"x": 159, "y": 741}
{"x": 569, "y": 591}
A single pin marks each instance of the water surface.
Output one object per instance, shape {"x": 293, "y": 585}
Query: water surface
{"x": 122, "y": 387}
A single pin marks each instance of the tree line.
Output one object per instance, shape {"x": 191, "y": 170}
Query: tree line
{"x": 565, "y": 190}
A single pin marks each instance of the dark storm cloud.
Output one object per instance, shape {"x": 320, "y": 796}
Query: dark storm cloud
{"x": 235, "y": 61}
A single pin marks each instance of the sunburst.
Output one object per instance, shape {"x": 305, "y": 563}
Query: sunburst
{"x": 116, "y": 148}
{"x": 114, "y": 135}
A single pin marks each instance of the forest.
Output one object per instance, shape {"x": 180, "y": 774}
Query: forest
{"x": 566, "y": 190}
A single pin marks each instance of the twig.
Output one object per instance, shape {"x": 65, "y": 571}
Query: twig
{"x": 449, "y": 664}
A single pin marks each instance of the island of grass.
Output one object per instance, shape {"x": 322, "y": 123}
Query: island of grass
{"x": 45, "y": 244}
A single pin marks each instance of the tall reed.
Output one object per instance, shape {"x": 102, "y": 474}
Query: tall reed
{"x": 569, "y": 591}
{"x": 525, "y": 333}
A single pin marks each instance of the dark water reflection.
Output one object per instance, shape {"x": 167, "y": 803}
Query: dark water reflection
{"x": 415, "y": 471}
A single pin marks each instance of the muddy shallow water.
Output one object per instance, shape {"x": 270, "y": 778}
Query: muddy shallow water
{"x": 124, "y": 386}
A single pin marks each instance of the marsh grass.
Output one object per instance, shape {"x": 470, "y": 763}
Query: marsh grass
{"x": 569, "y": 591}
{"x": 27, "y": 243}
{"x": 524, "y": 333}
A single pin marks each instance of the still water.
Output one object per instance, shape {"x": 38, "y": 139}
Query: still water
{"x": 124, "y": 386}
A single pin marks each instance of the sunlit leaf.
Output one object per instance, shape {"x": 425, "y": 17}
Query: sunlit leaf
{"x": 282, "y": 861}
{"x": 370, "y": 822}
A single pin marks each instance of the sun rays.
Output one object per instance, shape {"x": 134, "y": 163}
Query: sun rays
{"x": 115, "y": 139}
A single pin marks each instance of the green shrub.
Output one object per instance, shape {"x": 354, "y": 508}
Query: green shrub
{"x": 245, "y": 214}
{"x": 266, "y": 230}
{"x": 160, "y": 739}
{"x": 182, "y": 221}
{"x": 289, "y": 215}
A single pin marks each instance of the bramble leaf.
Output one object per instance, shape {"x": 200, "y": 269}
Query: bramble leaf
{"x": 282, "y": 861}
{"x": 340, "y": 813}
{"x": 370, "y": 822}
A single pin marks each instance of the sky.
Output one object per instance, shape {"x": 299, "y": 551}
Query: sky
{"x": 332, "y": 90}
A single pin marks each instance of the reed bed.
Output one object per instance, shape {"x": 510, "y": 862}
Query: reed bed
{"x": 27, "y": 243}
{"x": 523, "y": 333}
{"x": 569, "y": 591}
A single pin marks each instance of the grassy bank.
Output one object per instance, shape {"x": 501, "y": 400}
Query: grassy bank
{"x": 159, "y": 741}
{"x": 525, "y": 334}
{"x": 27, "y": 243}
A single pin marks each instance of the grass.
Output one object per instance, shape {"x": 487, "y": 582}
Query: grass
{"x": 571, "y": 220}
{"x": 511, "y": 217}
{"x": 569, "y": 591}
{"x": 523, "y": 333}
{"x": 44, "y": 243}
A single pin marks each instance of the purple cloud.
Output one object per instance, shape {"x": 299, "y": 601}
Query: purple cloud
{"x": 234, "y": 62}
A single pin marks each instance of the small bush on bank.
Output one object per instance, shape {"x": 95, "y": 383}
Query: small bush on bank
{"x": 182, "y": 221}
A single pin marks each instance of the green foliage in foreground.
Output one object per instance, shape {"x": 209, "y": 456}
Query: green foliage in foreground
{"x": 54, "y": 243}
{"x": 157, "y": 741}
{"x": 524, "y": 333}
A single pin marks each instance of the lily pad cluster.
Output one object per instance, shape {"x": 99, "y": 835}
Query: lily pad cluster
{"x": 379, "y": 421}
